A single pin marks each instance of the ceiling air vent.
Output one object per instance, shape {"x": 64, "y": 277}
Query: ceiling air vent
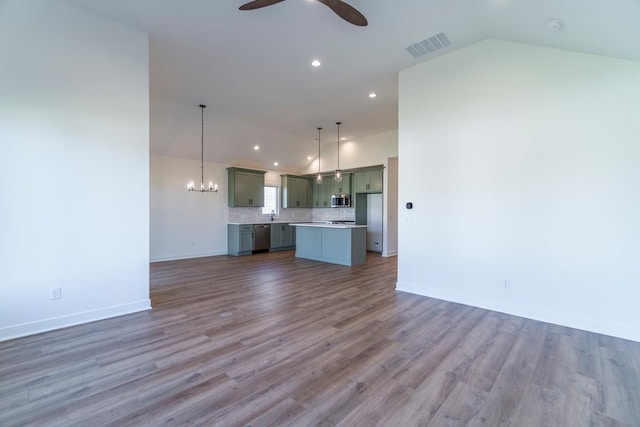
{"x": 428, "y": 45}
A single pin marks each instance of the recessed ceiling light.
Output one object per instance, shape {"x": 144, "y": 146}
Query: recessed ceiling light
{"x": 372, "y": 95}
{"x": 256, "y": 147}
{"x": 343, "y": 139}
{"x": 315, "y": 63}
{"x": 275, "y": 163}
{"x": 309, "y": 157}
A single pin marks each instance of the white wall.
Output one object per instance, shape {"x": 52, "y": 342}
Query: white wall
{"x": 391, "y": 209}
{"x": 74, "y": 174}
{"x": 523, "y": 164}
{"x": 186, "y": 224}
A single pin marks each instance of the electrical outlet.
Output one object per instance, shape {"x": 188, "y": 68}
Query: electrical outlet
{"x": 507, "y": 283}
{"x": 56, "y": 293}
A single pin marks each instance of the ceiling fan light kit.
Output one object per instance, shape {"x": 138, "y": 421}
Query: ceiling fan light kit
{"x": 339, "y": 7}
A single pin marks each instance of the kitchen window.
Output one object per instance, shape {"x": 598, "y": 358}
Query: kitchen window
{"x": 270, "y": 200}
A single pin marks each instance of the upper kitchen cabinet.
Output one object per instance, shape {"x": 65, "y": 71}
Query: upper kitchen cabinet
{"x": 368, "y": 181}
{"x": 296, "y": 192}
{"x": 342, "y": 187}
{"x": 246, "y": 188}
{"x": 322, "y": 192}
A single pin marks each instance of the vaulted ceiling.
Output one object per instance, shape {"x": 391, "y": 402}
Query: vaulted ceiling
{"x": 253, "y": 68}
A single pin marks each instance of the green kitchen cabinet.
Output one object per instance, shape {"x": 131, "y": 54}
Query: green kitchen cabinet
{"x": 368, "y": 181}
{"x": 240, "y": 239}
{"x": 282, "y": 237}
{"x": 296, "y": 192}
{"x": 322, "y": 192}
{"x": 342, "y": 187}
{"x": 246, "y": 188}
{"x": 346, "y": 245}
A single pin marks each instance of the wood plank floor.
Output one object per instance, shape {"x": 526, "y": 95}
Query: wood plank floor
{"x": 271, "y": 340}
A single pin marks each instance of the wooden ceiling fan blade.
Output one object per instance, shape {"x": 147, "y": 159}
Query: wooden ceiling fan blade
{"x": 346, "y": 12}
{"x": 257, "y": 4}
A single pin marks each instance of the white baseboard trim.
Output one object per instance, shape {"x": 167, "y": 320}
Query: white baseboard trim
{"x": 534, "y": 313}
{"x": 31, "y": 328}
{"x": 162, "y": 258}
{"x": 390, "y": 254}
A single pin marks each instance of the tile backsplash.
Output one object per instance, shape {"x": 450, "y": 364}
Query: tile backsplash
{"x": 334, "y": 214}
{"x": 254, "y": 215}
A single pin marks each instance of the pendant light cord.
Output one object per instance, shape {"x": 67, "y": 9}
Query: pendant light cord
{"x": 202, "y": 107}
{"x": 338, "y": 123}
{"x": 319, "y": 129}
{"x": 319, "y": 177}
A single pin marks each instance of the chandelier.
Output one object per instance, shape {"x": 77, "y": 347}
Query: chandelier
{"x": 190, "y": 185}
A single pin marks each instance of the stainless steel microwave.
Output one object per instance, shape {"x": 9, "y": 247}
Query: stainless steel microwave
{"x": 340, "y": 201}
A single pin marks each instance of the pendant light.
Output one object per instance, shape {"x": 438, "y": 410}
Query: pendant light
{"x": 319, "y": 176}
{"x": 190, "y": 186}
{"x": 338, "y": 176}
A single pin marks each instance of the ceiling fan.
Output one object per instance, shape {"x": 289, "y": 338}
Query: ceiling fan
{"x": 342, "y": 9}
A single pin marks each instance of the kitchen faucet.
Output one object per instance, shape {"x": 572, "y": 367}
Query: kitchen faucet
{"x": 273, "y": 213}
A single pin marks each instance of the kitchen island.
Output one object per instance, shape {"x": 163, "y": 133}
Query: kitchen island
{"x": 344, "y": 244}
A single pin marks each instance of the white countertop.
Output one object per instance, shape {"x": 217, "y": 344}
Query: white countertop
{"x": 261, "y": 223}
{"x": 323, "y": 225}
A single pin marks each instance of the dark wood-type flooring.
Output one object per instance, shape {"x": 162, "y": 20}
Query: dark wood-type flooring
{"x": 271, "y": 340}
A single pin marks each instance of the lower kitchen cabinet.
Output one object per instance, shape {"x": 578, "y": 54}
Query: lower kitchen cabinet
{"x": 283, "y": 236}
{"x": 240, "y": 239}
{"x": 337, "y": 244}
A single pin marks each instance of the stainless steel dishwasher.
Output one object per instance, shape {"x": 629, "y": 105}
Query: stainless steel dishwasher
{"x": 262, "y": 237}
